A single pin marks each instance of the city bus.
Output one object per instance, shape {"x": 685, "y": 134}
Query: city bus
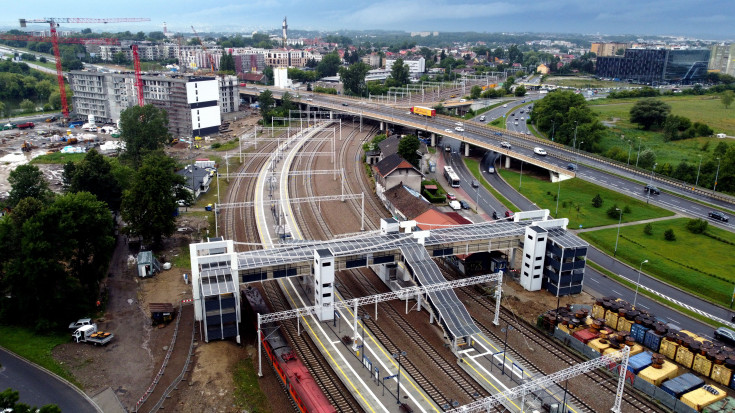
{"x": 451, "y": 176}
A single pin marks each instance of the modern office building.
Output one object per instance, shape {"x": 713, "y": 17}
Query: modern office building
{"x": 656, "y": 66}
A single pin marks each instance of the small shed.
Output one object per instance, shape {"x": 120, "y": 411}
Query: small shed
{"x": 148, "y": 265}
{"x": 162, "y": 312}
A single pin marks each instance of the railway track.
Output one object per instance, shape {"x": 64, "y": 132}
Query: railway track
{"x": 460, "y": 383}
{"x": 234, "y": 226}
{"x": 529, "y": 333}
{"x": 337, "y": 394}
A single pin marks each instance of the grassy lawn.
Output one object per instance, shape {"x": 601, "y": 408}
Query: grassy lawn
{"x": 705, "y": 109}
{"x": 35, "y": 347}
{"x": 575, "y": 201}
{"x": 707, "y": 274}
{"x": 482, "y": 110}
{"x": 474, "y": 167}
{"x": 580, "y": 82}
{"x": 58, "y": 158}
{"x": 228, "y": 146}
{"x": 248, "y": 395}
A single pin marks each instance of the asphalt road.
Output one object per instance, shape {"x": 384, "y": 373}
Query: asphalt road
{"x": 600, "y": 285}
{"x": 38, "y": 388}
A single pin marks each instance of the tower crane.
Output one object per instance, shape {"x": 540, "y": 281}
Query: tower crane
{"x": 54, "y": 23}
{"x": 201, "y": 43}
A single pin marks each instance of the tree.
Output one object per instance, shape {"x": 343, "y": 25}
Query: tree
{"x": 614, "y": 211}
{"x": 329, "y": 65}
{"x": 94, "y": 175}
{"x": 597, "y": 201}
{"x": 648, "y": 229}
{"x": 268, "y": 73}
{"x": 520, "y": 91}
{"x": 227, "y": 63}
{"x": 64, "y": 247}
{"x": 353, "y": 78}
{"x": 119, "y": 58}
{"x": 649, "y": 113}
{"x": 727, "y": 97}
{"x": 27, "y": 106}
{"x": 647, "y": 159}
{"x": 399, "y": 73}
{"x": 9, "y": 400}
{"x": 26, "y": 181}
{"x": 266, "y": 102}
{"x": 149, "y": 203}
{"x": 143, "y": 129}
{"x": 407, "y": 148}
{"x": 669, "y": 235}
{"x": 475, "y": 92}
{"x": 697, "y": 226}
{"x": 44, "y": 89}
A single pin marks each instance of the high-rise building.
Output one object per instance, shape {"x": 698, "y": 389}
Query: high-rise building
{"x": 655, "y": 66}
{"x": 722, "y": 59}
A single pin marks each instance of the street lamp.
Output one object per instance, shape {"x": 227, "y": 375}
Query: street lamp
{"x": 558, "y": 193}
{"x": 698, "y": 169}
{"x": 620, "y": 219}
{"x": 638, "y": 283}
{"x": 505, "y": 343}
{"x": 553, "y": 127}
{"x": 520, "y": 178}
{"x": 398, "y": 390}
{"x": 574, "y": 144}
{"x": 648, "y": 192}
{"x": 630, "y": 148}
{"x": 717, "y": 174}
{"x": 639, "y": 152}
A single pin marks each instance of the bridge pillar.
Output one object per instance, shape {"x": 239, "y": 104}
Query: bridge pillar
{"x": 507, "y": 162}
{"x": 466, "y": 149}
{"x": 382, "y": 126}
{"x": 331, "y": 115}
{"x": 433, "y": 139}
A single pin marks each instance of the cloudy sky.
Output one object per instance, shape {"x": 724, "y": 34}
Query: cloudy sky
{"x": 711, "y": 19}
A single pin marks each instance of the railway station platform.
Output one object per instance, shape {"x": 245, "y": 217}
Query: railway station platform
{"x": 491, "y": 365}
{"x": 365, "y": 367}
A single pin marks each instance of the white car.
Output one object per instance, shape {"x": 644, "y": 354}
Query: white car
{"x": 455, "y": 205}
{"x": 505, "y": 145}
{"x": 459, "y": 124}
{"x": 309, "y": 99}
{"x": 539, "y": 151}
{"x": 448, "y": 130}
{"x": 458, "y": 129}
{"x": 505, "y": 106}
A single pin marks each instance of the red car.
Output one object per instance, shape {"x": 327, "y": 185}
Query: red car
{"x": 508, "y": 214}
{"x": 451, "y": 197}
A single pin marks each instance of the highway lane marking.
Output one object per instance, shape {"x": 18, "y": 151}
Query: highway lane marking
{"x": 594, "y": 281}
{"x": 618, "y": 293}
{"x": 642, "y": 305}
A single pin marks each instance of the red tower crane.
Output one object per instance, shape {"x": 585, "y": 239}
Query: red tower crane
{"x": 54, "y": 23}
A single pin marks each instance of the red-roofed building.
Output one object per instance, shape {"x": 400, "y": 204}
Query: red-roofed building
{"x": 435, "y": 219}
{"x": 393, "y": 171}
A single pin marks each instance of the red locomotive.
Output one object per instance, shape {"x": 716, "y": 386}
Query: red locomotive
{"x": 302, "y": 387}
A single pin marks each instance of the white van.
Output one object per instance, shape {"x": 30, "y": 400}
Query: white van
{"x": 491, "y": 170}
{"x": 482, "y": 118}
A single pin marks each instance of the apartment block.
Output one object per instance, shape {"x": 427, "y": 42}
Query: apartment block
{"x": 194, "y": 103}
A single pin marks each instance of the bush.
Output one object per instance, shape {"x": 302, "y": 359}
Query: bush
{"x": 627, "y": 210}
{"x": 216, "y": 145}
{"x": 597, "y": 201}
{"x": 669, "y": 235}
{"x": 648, "y": 229}
{"x": 697, "y": 226}
{"x": 613, "y": 212}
